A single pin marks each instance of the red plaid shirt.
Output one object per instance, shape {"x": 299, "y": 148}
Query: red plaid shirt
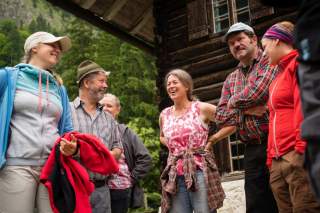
{"x": 244, "y": 89}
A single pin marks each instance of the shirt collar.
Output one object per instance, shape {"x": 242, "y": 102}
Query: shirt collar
{"x": 257, "y": 58}
{"x": 77, "y": 103}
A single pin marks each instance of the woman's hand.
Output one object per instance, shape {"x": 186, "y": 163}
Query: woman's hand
{"x": 68, "y": 148}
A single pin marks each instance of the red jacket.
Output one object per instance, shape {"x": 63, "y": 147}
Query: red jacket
{"x": 285, "y": 111}
{"x": 93, "y": 156}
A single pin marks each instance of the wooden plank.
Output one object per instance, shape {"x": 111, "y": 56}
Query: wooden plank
{"x": 114, "y": 9}
{"x": 86, "y": 4}
{"x": 198, "y": 55}
{"x": 98, "y": 22}
{"x": 208, "y": 92}
{"x": 172, "y": 15}
{"x": 197, "y": 19}
{"x": 177, "y": 30}
{"x": 142, "y": 21}
{"x": 174, "y": 6}
{"x": 211, "y": 78}
{"x": 259, "y": 10}
{"x": 221, "y": 153}
{"x": 179, "y": 21}
{"x": 261, "y": 27}
{"x": 216, "y": 64}
{"x": 179, "y": 41}
{"x": 214, "y": 43}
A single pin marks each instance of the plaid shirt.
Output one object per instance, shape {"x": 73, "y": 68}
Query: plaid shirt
{"x": 244, "y": 89}
{"x": 121, "y": 180}
{"x": 212, "y": 178}
{"x": 102, "y": 125}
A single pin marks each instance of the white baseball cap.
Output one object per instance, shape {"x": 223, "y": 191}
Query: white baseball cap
{"x": 238, "y": 27}
{"x": 43, "y": 37}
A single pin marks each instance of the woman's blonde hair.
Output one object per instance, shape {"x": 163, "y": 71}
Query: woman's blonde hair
{"x": 289, "y": 26}
{"x": 185, "y": 79}
{"x": 26, "y": 58}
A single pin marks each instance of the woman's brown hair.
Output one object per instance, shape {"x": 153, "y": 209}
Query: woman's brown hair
{"x": 185, "y": 79}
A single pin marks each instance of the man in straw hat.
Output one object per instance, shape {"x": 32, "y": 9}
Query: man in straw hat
{"x": 88, "y": 117}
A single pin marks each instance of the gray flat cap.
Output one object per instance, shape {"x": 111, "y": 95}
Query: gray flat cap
{"x": 237, "y": 27}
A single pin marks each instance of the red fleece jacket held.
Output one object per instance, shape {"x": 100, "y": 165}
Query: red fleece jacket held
{"x": 94, "y": 156}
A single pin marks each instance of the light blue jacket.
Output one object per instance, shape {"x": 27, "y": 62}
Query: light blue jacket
{"x": 8, "y": 80}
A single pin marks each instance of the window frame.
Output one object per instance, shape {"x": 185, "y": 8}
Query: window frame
{"x": 238, "y": 157}
{"x": 232, "y": 14}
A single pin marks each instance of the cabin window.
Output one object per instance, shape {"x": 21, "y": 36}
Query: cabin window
{"x": 228, "y": 12}
{"x": 236, "y": 150}
{"x": 221, "y": 15}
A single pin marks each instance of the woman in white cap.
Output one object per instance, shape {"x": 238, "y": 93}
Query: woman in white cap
{"x": 34, "y": 112}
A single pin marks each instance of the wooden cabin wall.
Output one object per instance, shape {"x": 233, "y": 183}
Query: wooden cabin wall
{"x": 185, "y": 39}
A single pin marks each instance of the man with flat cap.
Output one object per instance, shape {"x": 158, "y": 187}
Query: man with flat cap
{"x": 88, "y": 117}
{"x": 242, "y": 109}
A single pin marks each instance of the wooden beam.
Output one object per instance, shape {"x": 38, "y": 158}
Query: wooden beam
{"x": 114, "y": 9}
{"x": 208, "y": 92}
{"x": 142, "y": 21}
{"x": 211, "y": 78}
{"x": 87, "y": 4}
{"x": 97, "y": 21}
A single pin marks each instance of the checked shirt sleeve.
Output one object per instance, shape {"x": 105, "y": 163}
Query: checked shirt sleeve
{"x": 256, "y": 91}
{"x": 224, "y": 115}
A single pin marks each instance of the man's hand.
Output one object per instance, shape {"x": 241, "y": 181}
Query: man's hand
{"x": 68, "y": 148}
{"x": 116, "y": 152}
{"x": 256, "y": 111}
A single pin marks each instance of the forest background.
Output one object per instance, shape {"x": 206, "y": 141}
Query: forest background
{"x": 133, "y": 72}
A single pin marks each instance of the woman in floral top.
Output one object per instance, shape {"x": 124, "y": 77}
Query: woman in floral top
{"x": 191, "y": 181}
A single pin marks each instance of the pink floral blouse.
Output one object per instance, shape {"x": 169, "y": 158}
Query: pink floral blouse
{"x": 184, "y": 132}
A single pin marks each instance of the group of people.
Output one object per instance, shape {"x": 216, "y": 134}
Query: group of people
{"x": 260, "y": 101}
{"x": 36, "y": 112}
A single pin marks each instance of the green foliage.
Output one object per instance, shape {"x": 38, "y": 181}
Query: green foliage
{"x": 135, "y": 73}
{"x": 132, "y": 79}
{"x": 82, "y": 36}
{"x": 11, "y": 43}
{"x": 40, "y": 24}
{"x": 150, "y": 138}
{"x": 34, "y": 3}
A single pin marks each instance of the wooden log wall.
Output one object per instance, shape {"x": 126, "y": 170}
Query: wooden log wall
{"x": 206, "y": 58}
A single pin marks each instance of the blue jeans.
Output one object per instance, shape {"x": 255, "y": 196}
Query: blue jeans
{"x": 187, "y": 201}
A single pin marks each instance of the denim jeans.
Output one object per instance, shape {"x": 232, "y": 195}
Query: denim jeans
{"x": 187, "y": 201}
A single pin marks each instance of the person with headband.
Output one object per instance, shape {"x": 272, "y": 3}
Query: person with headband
{"x": 34, "y": 114}
{"x": 286, "y": 148}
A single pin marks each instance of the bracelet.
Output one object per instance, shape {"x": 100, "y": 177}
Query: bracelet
{"x": 77, "y": 150}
